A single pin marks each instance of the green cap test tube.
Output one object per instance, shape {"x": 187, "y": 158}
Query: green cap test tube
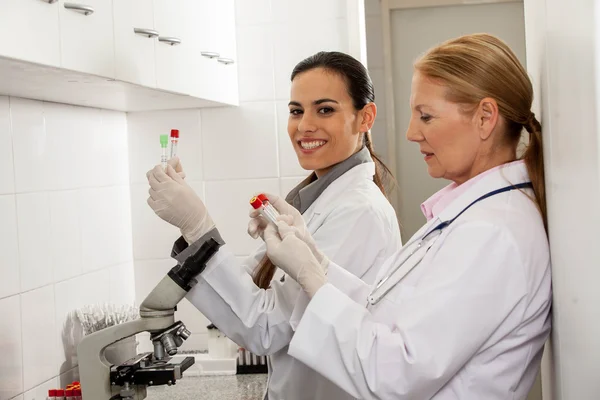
{"x": 164, "y": 142}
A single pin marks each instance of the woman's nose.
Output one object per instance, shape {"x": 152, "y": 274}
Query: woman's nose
{"x": 307, "y": 123}
{"x": 413, "y": 134}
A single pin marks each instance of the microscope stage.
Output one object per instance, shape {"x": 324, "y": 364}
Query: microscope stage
{"x": 143, "y": 370}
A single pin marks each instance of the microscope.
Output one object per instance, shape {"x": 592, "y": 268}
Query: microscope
{"x": 102, "y": 381}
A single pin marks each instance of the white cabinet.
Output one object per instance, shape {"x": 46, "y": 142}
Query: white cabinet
{"x": 127, "y": 55}
{"x": 135, "y": 39}
{"x": 86, "y": 36}
{"x": 214, "y": 71}
{"x": 224, "y": 32}
{"x": 29, "y": 31}
{"x": 172, "y": 48}
{"x": 204, "y": 50}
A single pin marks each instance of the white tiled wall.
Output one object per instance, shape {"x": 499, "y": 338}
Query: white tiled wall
{"x": 65, "y": 234}
{"x": 231, "y": 153}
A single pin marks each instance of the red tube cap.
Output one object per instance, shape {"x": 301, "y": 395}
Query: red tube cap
{"x": 256, "y": 203}
{"x": 263, "y": 198}
{"x": 175, "y": 133}
{"x": 52, "y": 393}
{"x": 60, "y": 392}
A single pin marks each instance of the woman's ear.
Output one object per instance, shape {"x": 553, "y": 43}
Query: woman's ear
{"x": 487, "y": 116}
{"x": 367, "y": 117}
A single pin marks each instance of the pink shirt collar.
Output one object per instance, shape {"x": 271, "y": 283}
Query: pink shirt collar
{"x": 441, "y": 199}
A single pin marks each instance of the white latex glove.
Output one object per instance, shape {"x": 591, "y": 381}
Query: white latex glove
{"x": 176, "y": 164}
{"x": 257, "y": 223}
{"x": 175, "y": 201}
{"x": 295, "y": 257}
{"x": 291, "y": 216}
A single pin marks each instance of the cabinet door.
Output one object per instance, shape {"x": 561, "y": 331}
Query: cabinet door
{"x": 87, "y": 39}
{"x": 29, "y": 31}
{"x": 204, "y": 50}
{"x": 226, "y": 43}
{"x": 172, "y": 48}
{"x": 135, "y": 38}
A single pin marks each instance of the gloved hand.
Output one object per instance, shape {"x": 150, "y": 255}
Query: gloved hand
{"x": 295, "y": 257}
{"x": 291, "y": 216}
{"x": 176, "y": 164}
{"x": 175, "y": 202}
{"x": 257, "y": 223}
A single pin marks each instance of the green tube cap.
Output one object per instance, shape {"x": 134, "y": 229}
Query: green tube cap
{"x": 164, "y": 140}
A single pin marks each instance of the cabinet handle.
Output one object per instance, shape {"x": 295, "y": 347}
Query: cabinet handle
{"x": 82, "y": 8}
{"x": 146, "y": 32}
{"x": 225, "y": 61}
{"x": 169, "y": 40}
{"x": 50, "y": 1}
{"x": 210, "y": 54}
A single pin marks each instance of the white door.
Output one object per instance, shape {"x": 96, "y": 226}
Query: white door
{"x": 413, "y": 32}
{"x": 173, "y": 46}
{"x": 214, "y": 55}
{"x": 135, "y": 38}
{"x": 203, "y": 51}
{"x": 29, "y": 31}
{"x": 226, "y": 43}
{"x": 87, "y": 38}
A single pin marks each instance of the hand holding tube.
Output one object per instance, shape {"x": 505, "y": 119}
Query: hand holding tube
{"x": 292, "y": 217}
{"x": 290, "y": 253}
{"x": 175, "y": 201}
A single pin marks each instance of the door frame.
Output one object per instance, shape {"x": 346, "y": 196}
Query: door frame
{"x": 387, "y": 6}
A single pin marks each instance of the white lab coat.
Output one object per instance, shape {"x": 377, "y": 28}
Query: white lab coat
{"x": 354, "y": 225}
{"x": 468, "y": 322}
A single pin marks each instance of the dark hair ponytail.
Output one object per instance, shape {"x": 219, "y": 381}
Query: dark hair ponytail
{"x": 360, "y": 89}
{"x": 534, "y": 160}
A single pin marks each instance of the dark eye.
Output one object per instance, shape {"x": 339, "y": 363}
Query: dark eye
{"x": 295, "y": 111}
{"x": 325, "y": 110}
{"x": 425, "y": 117}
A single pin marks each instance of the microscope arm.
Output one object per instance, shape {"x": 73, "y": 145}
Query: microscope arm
{"x": 157, "y": 314}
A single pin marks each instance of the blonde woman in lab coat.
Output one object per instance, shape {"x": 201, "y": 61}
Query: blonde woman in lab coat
{"x": 463, "y": 311}
{"x": 343, "y": 203}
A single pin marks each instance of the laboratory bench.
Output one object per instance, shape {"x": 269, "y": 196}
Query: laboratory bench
{"x": 228, "y": 387}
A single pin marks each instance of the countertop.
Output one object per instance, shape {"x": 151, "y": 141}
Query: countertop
{"x": 232, "y": 387}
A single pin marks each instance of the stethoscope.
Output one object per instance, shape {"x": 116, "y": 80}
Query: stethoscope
{"x": 416, "y": 252}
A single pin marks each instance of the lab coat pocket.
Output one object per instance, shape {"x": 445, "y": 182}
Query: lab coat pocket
{"x": 393, "y": 301}
{"x": 312, "y": 221}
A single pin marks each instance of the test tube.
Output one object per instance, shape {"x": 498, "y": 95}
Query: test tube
{"x": 164, "y": 141}
{"x": 261, "y": 203}
{"x": 174, "y": 141}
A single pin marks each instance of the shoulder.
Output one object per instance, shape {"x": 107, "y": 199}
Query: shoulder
{"x": 504, "y": 232}
{"x": 357, "y": 199}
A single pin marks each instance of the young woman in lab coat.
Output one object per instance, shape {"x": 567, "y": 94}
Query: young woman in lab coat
{"x": 330, "y": 114}
{"x": 463, "y": 311}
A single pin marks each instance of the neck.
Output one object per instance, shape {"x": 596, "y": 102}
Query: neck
{"x": 485, "y": 164}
